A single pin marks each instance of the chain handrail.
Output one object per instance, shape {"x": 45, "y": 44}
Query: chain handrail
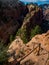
{"x": 38, "y": 53}
{"x": 19, "y": 60}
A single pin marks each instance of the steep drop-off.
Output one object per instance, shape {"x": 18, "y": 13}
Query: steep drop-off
{"x": 33, "y": 19}
{"x": 11, "y": 19}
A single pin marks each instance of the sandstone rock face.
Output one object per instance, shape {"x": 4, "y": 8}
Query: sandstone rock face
{"x": 10, "y": 18}
{"x": 25, "y": 50}
{"x": 43, "y": 39}
{"x": 45, "y": 8}
{"x": 15, "y": 48}
{"x": 33, "y": 18}
{"x": 46, "y": 14}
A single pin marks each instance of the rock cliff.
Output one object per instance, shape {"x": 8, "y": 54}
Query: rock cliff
{"x": 18, "y": 50}
{"x": 33, "y": 18}
{"x": 11, "y": 19}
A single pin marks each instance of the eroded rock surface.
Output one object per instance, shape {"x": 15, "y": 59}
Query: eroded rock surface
{"x": 21, "y": 50}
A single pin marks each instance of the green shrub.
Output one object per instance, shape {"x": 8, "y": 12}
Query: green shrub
{"x": 11, "y": 38}
{"x": 3, "y": 54}
{"x": 36, "y": 30}
{"x": 22, "y": 34}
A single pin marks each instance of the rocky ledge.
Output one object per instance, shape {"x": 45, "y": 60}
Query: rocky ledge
{"x": 18, "y": 50}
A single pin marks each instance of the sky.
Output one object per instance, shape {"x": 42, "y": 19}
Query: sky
{"x": 37, "y": 1}
{"x": 33, "y": 0}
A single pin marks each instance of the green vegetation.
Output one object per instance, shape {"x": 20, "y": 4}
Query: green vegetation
{"x": 24, "y": 34}
{"x": 12, "y": 38}
{"x": 36, "y": 30}
{"x": 3, "y": 54}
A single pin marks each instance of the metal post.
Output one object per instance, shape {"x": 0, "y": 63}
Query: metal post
{"x": 39, "y": 49}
